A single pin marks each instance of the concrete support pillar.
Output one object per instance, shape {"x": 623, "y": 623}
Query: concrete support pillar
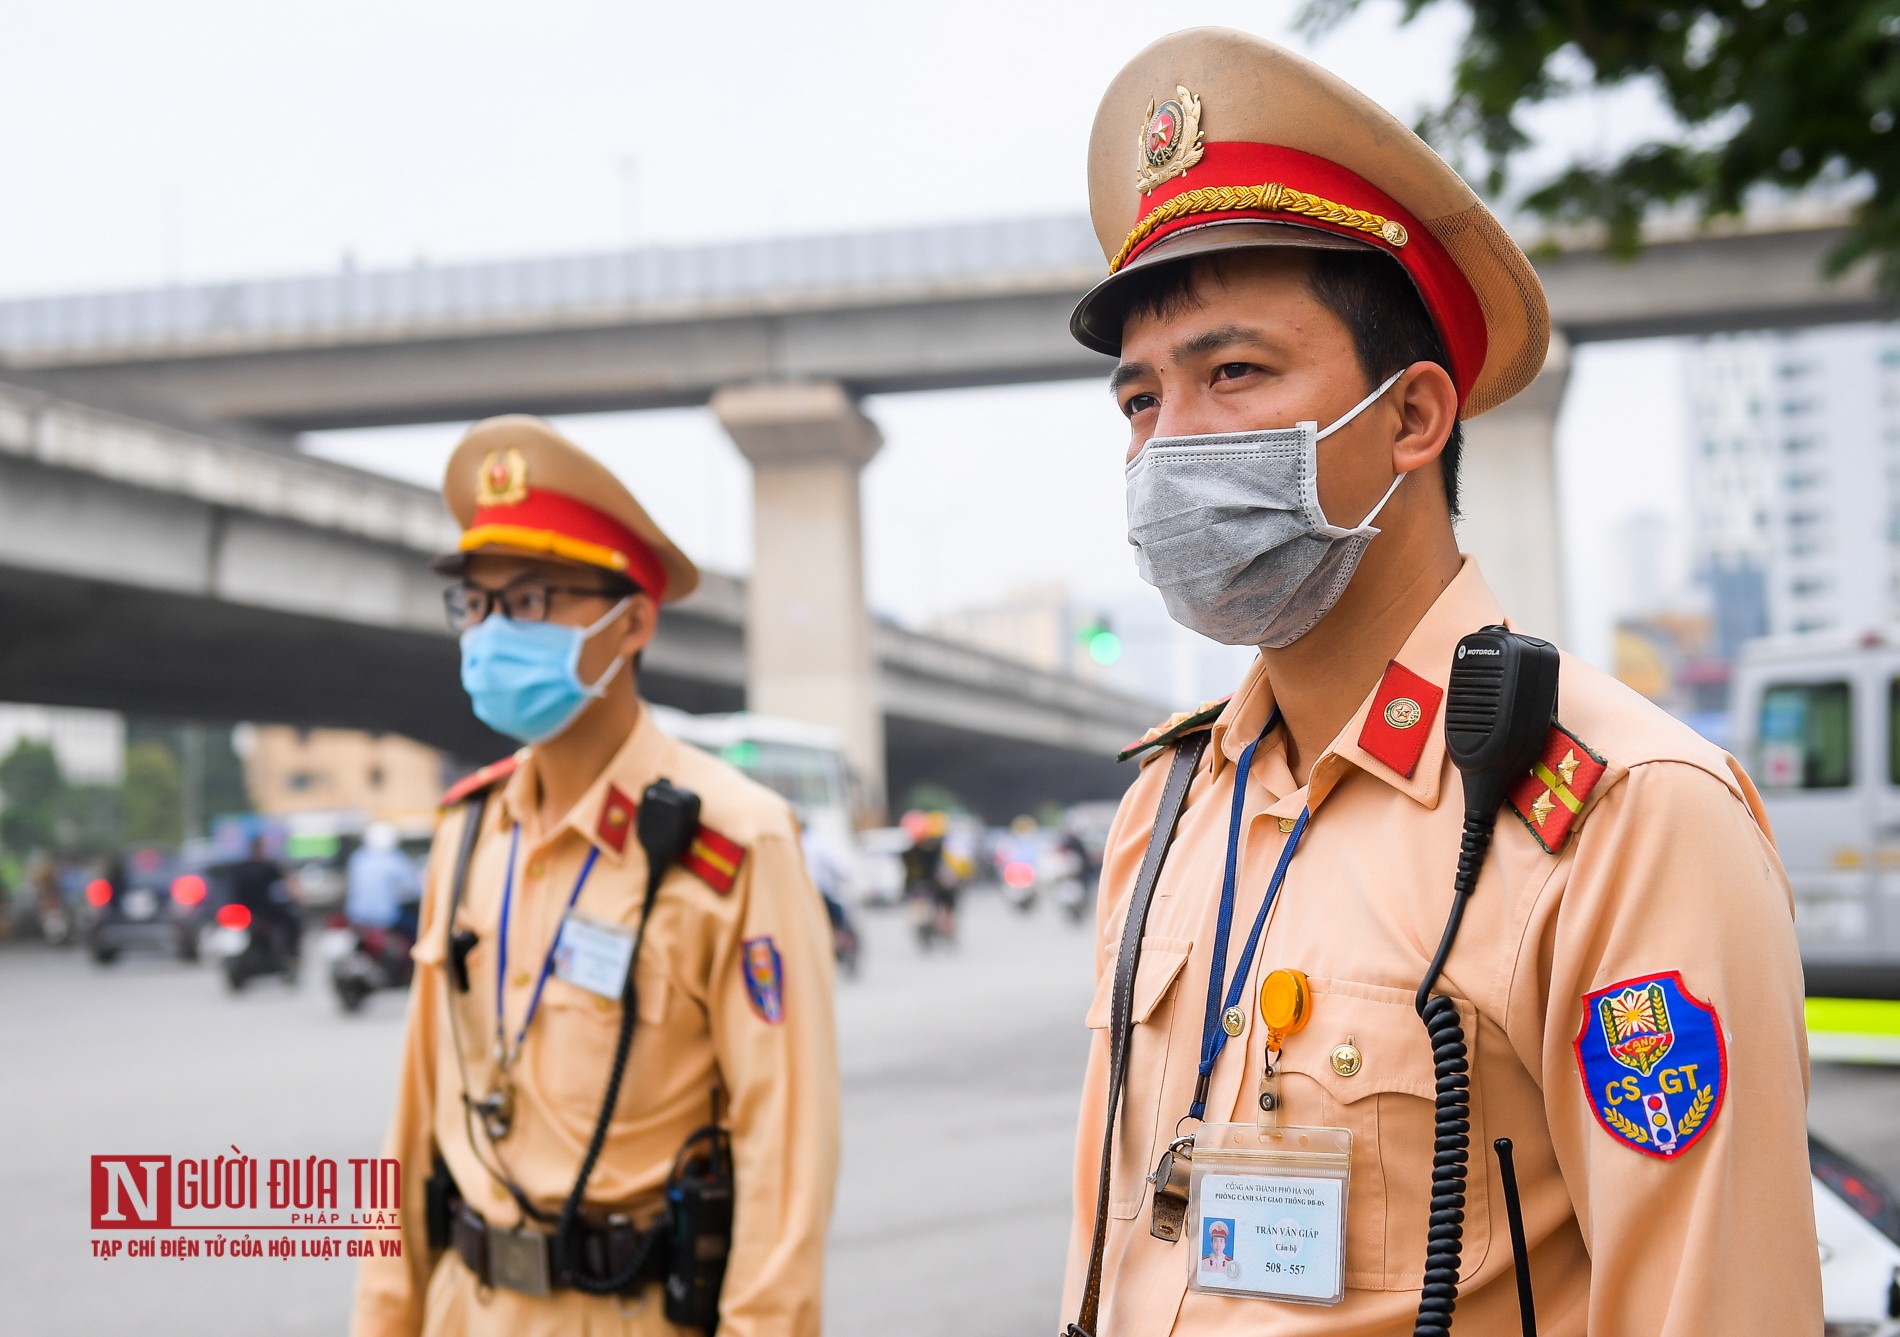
{"x": 808, "y": 632}
{"x": 1511, "y": 518}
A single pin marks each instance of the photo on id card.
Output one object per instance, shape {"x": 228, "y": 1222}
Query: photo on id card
{"x": 1267, "y": 1212}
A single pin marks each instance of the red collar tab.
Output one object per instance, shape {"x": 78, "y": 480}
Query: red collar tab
{"x": 1219, "y": 187}
{"x": 470, "y": 785}
{"x": 1400, "y": 720}
{"x": 561, "y": 517}
{"x": 1550, "y": 800}
{"x": 616, "y": 820}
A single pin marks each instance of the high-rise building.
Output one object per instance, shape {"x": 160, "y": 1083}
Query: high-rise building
{"x": 1796, "y": 470}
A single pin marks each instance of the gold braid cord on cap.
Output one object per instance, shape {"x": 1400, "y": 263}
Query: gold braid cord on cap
{"x": 1272, "y": 197}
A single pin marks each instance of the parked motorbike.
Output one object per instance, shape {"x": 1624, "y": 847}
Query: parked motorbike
{"x": 371, "y": 958}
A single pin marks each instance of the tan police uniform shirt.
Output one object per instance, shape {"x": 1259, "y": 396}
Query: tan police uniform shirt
{"x": 1670, "y": 867}
{"x": 698, "y": 1026}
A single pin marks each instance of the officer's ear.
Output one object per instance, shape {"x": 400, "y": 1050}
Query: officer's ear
{"x": 638, "y": 624}
{"x": 1428, "y": 410}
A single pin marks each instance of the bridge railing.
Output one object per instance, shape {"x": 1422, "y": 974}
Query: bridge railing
{"x": 744, "y": 275}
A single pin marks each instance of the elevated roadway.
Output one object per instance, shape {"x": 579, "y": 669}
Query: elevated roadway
{"x": 146, "y": 568}
{"x": 876, "y": 312}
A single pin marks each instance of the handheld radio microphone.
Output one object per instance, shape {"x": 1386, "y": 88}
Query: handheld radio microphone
{"x": 1498, "y": 709}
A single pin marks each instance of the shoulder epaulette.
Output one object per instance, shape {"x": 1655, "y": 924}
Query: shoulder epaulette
{"x": 470, "y": 785}
{"x": 714, "y": 859}
{"x": 1551, "y": 798}
{"x": 1175, "y": 727}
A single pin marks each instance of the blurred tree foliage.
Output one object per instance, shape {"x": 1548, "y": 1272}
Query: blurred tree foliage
{"x": 30, "y": 789}
{"x": 1773, "y": 93}
{"x": 154, "y": 795}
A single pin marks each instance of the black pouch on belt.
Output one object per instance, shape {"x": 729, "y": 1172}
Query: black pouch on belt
{"x": 699, "y": 1228}
{"x": 437, "y": 1209}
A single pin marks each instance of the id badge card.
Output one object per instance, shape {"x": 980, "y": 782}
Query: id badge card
{"x": 593, "y": 956}
{"x": 1267, "y": 1212}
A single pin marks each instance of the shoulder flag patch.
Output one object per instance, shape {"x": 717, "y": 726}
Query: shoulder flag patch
{"x": 470, "y": 785}
{"x": 1550, "y": 799}
{"x": 764, "y": 979}
{"x": 1175, "y": 727}
{"x": 714, "y": 860}
{"x": 1653, "y": 1062}
{"x": 1400, "y": 720}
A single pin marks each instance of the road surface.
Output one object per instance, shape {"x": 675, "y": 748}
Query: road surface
{"x": 961, "y": 1072}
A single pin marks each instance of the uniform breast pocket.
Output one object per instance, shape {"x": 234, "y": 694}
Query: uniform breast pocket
{"x": 1369, "y": 1056}
{"x": 1153, "y": 1001}
{"x": 570, "y": 1045}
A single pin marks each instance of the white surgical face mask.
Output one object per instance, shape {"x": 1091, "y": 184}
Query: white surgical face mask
{"x": 1229, "y": 528}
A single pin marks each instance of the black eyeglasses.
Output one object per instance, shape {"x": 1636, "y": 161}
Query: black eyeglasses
{"x": 528, "y": 601}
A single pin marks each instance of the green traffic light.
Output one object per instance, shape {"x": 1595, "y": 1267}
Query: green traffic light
{"x": 1105, "y": 647}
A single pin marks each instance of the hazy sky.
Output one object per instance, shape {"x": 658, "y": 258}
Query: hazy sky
{"x": 207, "y": 138}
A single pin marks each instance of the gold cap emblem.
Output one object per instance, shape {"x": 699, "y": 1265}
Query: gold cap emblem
{"x": 503, "y": 480}
{"x": 1170, "y": 139}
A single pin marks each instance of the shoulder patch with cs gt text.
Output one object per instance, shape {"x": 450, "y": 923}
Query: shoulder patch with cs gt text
{"x": 1653, "y": 1062}
{"x": 764, "y": 978}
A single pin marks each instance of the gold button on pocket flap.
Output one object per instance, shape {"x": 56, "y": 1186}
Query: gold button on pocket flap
{"x": 1161, "y": 962}
{"x": 1366, "y": 1039}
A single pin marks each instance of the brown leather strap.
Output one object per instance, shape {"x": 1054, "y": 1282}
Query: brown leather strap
{"x": 1187, "y": 756}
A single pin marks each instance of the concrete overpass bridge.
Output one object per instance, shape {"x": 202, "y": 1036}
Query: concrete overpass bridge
{"x": 151, "y": 569}
{"x": 784, "y": 337}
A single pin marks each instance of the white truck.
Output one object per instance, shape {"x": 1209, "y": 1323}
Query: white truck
{"x": 1817, "y": 724}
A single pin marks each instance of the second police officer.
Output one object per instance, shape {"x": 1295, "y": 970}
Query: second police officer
{"x": 1303, "y": 1056}
{"x": 618, "y": 1103}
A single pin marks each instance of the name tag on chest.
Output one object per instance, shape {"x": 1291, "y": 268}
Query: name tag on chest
{"x": 593, "y": 956}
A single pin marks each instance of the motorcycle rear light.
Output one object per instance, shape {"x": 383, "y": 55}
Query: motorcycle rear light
{"x": 1019, "y": 874}
{"x": 337, "y": 920}
{"x": 188, "y": 890}
{"x": 98, "y": 893}
{"x": 234, "y": 916}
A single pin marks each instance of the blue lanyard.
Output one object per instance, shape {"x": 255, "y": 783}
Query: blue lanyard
{"x": 1213, "y": 1034}
{"x": 502, "y": 1055}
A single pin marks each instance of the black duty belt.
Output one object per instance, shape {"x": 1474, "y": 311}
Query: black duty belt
{"x": 524, "y": 1259}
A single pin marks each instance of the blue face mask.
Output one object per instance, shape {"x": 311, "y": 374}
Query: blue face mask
{"x": 524, "y": 677}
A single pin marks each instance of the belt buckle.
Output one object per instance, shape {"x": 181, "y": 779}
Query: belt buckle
{"x": 518, "y": 1261}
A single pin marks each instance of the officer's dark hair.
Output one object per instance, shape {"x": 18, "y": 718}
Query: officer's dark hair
{"x": 1373, "y": 298}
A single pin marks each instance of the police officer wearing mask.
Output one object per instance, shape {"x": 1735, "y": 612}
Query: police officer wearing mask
{"x": 617, "y": 1109}
{"x": 1319, "y": 1057}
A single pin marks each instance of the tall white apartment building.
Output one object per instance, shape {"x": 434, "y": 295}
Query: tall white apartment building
{"x": 1796, "y": 479}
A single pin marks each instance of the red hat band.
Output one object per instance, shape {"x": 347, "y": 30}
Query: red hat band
{"x": 1276, "y": 184}
{"x": 564, "y": 526}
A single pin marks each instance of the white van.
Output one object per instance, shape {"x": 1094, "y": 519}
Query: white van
{"x": 1817, "y": 724}
{"x": 803, "y": 763}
